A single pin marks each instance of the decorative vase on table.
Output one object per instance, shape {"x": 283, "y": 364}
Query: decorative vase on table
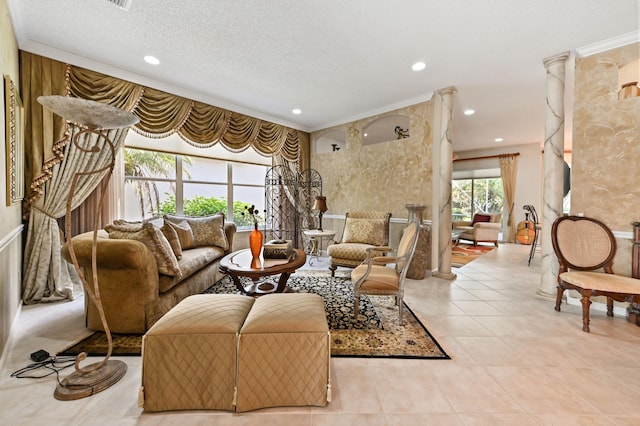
{"x": 255, "y": 241}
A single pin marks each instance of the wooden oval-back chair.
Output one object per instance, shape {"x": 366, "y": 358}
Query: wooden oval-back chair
{"x": 584, "y": 245}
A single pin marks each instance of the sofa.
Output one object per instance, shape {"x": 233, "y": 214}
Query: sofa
{"x": 145, "y": 268}
{"x": 483, "y": 228}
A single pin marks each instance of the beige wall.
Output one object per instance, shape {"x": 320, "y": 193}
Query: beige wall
{"x": 384, "y": 176}
{"x": 606, "y": 147}
{"x": 10, "y": 225}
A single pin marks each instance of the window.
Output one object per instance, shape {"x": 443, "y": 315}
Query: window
{"x": 158, "y": 183}
{"x": 472, "y": 195}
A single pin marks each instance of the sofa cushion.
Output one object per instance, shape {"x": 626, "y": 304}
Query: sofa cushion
{"x": 365, "y": 231}
{"x": 192, "y": 261}
{"x": 207, "y": 230}
{"x": 154, "y": 239}
{"x": 184, "y": 233}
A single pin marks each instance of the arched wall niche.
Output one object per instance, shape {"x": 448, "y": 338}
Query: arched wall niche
{"x": 628, "y": 78}
{"x": 386, "y": 129}
{"x": 332, "y": 140}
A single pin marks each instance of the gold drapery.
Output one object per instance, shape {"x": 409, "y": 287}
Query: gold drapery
{"x": 508, "y": 172}
{"x": 161, "y": 114}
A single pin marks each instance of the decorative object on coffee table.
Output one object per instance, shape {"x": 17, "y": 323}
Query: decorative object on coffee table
{"x": 277, "y": 249}
{"x": 90, "y": 142}
{"x": 255, "y": 238}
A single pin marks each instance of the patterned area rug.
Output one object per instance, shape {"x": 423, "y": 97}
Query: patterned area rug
{"x": 462, "y": 254}
{"x": 373, "y": 333}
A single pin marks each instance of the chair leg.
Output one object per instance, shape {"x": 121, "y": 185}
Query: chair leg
{"x": 559, "y": 293}
{"x": 333, "y": 268}
{"x": 399, "y": 301}
{"x": 586, "y": 302}
{"x": 609, "y": 307}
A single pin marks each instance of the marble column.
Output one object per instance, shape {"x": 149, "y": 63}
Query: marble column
{"x": 553, "y": 169}
{"x": 444, "y": 183}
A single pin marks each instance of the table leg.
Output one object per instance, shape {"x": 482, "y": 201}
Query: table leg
{"x": 314, "y": 250}
{"x": 238, "y": 283}
{"x": 282, "y": 283}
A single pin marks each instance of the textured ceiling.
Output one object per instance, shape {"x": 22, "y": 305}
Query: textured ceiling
{"x": 335, "y": 60}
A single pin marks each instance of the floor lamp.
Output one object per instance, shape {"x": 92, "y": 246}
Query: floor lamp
{"x": 92, "y": 119}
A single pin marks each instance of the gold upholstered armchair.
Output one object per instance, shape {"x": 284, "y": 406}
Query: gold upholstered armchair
{"x": 362, "y": 230}
{"x": 374, "y": 277}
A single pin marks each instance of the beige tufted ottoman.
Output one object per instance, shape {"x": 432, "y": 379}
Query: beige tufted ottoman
{"x": 284, "y": 353}
{"x": 189, "y": 355}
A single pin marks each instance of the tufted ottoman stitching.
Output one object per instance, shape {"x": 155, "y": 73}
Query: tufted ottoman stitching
{"x": 189, "y": 355}
{"x": 284, "y": 353}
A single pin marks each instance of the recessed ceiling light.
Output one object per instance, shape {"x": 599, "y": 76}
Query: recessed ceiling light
{"x": 498, "y": 139}
{"x": 151, "y": 60}
{"x": 469, "y": 111}
{"x": 296, "y": 111}
{"x": 418, "y": 66}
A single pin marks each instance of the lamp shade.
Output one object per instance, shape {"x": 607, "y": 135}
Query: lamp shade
{"x": 320, "y": 204}
{"x": 95, "y": 115}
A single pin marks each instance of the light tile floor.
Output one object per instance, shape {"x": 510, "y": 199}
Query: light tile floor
{"x": 515, "y": 361}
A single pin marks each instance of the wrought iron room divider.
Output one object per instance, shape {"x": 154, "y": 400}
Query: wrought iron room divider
{"x": 289, "y": 196}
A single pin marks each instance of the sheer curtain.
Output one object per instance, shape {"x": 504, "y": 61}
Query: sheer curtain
{"x": 508, "y": 172}
{"x": 45, "y": 276}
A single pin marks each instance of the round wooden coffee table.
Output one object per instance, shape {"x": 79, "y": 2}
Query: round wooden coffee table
{"x": 241, "y": 264}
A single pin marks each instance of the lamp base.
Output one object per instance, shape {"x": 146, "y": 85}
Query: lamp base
{"x": 81, "y": 385}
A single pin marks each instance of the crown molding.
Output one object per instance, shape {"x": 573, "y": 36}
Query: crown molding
{"x": 368, "y": 114}
{"x": 145, "y": 80}
{"x": 609, "y": 44}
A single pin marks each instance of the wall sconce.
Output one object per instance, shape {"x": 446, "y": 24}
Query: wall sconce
{"x": 401, "y": 133}
{"x": 320, "y": 204}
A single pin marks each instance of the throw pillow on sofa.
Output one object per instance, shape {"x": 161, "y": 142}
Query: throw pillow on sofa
{"x": 184, "y": 233}
{"x": 174, "y": 240}
{"x": 154, "y": 239}
{"x": 207, "y": 230}
{"x": 167, "y": 231}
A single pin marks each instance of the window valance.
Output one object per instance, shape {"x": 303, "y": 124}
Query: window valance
{"x": 161, "y": 114}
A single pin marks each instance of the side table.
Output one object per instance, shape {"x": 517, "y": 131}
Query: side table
{"x": 316, "y": 236}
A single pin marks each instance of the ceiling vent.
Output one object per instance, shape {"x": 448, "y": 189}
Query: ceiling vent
{"x": 121, "y": 4}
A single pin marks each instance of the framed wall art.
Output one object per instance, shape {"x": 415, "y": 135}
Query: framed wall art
{"x": 14, "y": 129}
